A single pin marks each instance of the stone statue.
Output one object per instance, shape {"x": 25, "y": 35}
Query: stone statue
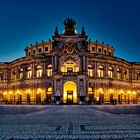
{"x": 69, "y": 27}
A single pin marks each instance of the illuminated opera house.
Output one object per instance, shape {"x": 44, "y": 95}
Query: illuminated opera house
{"x": 69, "y": 69}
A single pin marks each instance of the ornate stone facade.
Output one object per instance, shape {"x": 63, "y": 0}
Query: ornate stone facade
{"x": 69, "y": 69}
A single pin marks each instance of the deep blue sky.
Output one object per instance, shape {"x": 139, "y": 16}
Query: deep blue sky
{"x": 116, "y": 22}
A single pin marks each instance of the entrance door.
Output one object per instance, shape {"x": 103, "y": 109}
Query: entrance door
{"x": 69, "y": 92}
{"x": 20, "y": 99}
{"x": 28, "y": 98}
{"x": 90, "y": 97}
{"x": 48, "y": 98}
{"x": 69, "y": 97}
{"x": 14, "y": 99}
{"x": 125, "y": 98}
{"x": 101, "y": 98}
{"x": 111, "y": 98}
{"x": 119, "y": 99}
{"x": 38, "y": 98}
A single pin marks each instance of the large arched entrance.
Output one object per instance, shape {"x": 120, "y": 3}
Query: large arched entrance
{"x": 70, "y": 92}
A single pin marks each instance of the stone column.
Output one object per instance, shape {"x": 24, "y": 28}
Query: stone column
{"x": 106, "y": 70}
{"x": 95, "y": 69}
{"x": 122, "y": 76}
{"x": 33, "y": 70}
{"x": 81, "y": 62}
{"x": 17, "y": 73}
{"x": 24, "y": 71}
{"x": 115, "y": 71}
{"x": 43, "y": 70}
{"x": 84, "y": 61}
{"x": 55, "y": 63}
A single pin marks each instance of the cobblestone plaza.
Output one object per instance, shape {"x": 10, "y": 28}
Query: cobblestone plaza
{"x": 69, "y": 122}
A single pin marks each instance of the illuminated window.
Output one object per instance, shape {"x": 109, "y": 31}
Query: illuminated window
{"x": 49, "y": 70}
{"x": 49, "y": 91}
{"x": 100, "y": 71}
{"x": 90, "y": 90}
{"x": 69, "y": 66}
{"x": 125, "y": 74}
{"x": 118, "y": 73}
{"x": 90, "y": 70}
{"x": 110, "y": 72}
{"x": 39, "y": 71}
{"x": 21, "y": 73}
{"x": 14, "y": 75}
{"x": 29, "y": 72}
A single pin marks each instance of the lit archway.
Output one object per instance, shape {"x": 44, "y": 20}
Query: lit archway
{"x": 39, "y": 92}
{"x": 70, "y": 92}
{"x": 100, "y": 97}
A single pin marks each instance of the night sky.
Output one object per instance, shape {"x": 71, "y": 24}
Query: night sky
{"x": 116, "y": 22}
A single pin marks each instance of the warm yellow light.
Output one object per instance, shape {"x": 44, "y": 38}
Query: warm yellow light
{"x": 10, "y": 92}
{"x": 100, "y": 90}
{"x": 111, "y": 91}
{"x": 90, "y": 72}
{"x": 121, "y": 91}
{"x": 75, "y": 94}
{"x": 110, "y": 72}
{"x": 128, "y": 92}
{"x": 65, "y": 94}
{"x": 39, "y": 72}
{"x": 97, "y": 98}
{"x": 90, "y": 91}
{"x": 70, "y": 86}
{"x": 49, "y": 90}
{"x": 17, "y": 92}
{"x": 39, "y": 90}
{"x": 69, "y": 64}
{"x": 5, "y": 92}
{"x": 28, "y": 91}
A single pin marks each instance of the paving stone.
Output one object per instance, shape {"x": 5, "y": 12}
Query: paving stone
{"x": 69, "y": 122}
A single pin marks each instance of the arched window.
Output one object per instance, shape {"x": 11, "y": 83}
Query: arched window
{"x": 49, "y": 91}
{"x": 125, "y": 74}
{"x": 29, "y": 72}
{"x": 118, "y": 73}
{"x": 110, "y": 52}
{"x": 100, "y": 71}
{"x": 49, "y": 70}
{"x": 21, "y": 73}
{"x": 110, "y": 72}
{"x": 38, "y": 71}
{"x": 14, "y": 75}
{"x": 90, "y": 71}
{"x": 90, "y": 94}
{"x": 90, "y": 90}
{"x": 69, "y": 66}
